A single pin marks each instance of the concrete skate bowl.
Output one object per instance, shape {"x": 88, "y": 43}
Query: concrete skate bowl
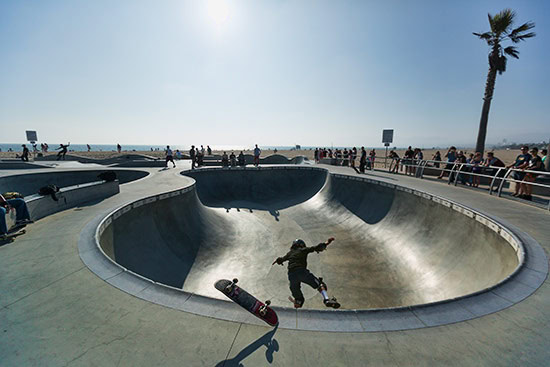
{"x": 395, "y": 248}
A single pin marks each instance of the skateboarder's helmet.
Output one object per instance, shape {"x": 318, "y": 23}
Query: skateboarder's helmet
{"x": 298, "y": 243}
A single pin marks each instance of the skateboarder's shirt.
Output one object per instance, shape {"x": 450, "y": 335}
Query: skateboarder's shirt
{"x": 297, "y": 258}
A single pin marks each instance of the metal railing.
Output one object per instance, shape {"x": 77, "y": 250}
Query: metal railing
{"x": 498, "y": 176}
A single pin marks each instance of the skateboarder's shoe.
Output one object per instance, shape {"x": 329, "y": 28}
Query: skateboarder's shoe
{"x": 331, "y": 302}
{"x": 23, "y": 221}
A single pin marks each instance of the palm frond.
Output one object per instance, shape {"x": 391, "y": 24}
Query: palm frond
{"x": 501, "y": 22}
{"x": 483, "y": 36}
{"x": 517, "y": 34}
{"x": 512, "y": 51}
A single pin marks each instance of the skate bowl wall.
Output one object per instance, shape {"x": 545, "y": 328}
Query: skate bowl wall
{"x": 30, "y": 183}
{"x": 395, "y": 247}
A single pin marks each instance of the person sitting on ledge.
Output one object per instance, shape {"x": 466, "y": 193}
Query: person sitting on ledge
{"x": 240, "y": 159}
{"x": 22, "y": 213}
{"x": 225, "y": 160}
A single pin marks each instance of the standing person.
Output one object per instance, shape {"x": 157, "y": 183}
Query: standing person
{"x": 169, "y": 157}
{"x": 372, "y": 157}
{"x": 21, "y": 210}
{"x": 477, "y": 161}
{"x": 408, "y": 159}
{"x": 25, "y": 154}
{"x": 437, "y": 158}
{"x": 192, "y": 156}
{"x": 345, "y": 156}
{"x": 208, "y": 150}
{"x": 257, "y": 153}
{"x": 233, "y": 159}
{"x": 63, "y": 151}
{"x": 298, "y": 272}
{"x": 488, "y": 166}
{"x": 316, "y": 155}
{"x": 89, "y": 147}
{"x": 202, "y": 149}
{"x": 199, "y": 157}
{"x": 535, "y": 164}
{"x": 451, "y": 158}
{"x": 363, "y": 160}
{"x": 544, "y": 153}
{"x": 118, "y": 148}
{"x": 394, "y": 164}
{"x": 521, "y": 162}
{"x": 353, "y": 156}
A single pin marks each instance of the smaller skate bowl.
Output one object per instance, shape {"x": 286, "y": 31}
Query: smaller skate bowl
{"x": 30, "y": 183}
{"x": 395, "y": 247}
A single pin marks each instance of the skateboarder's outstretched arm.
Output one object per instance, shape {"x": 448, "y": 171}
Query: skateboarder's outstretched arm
{"x": 322, "y": 246}
{"x": 280, "y": 260}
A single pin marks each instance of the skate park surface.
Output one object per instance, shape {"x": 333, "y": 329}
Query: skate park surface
{"x": 56, "y": 311}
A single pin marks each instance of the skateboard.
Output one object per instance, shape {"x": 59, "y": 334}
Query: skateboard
{"x": 11, "y": 236}
{"x": 247, "y": 301}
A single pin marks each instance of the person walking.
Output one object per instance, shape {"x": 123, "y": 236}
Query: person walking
{"x": 192, "y": 156}
{"x": 363, "y": 160}
{"x": 257, "y": 153}
{"x": 25, "y": 154}
{"x": 298, "y": 272}
{"x": 169, "y": 157}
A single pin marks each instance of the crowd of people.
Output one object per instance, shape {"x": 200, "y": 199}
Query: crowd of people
{"x": 466, "y": 169}
{"x": 347, "y": 157}
{"x": 469, "y": 169}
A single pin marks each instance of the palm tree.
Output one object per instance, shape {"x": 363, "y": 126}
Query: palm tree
{"x": 501, "y": 30}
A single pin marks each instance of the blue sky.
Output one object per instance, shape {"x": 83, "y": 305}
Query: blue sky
{"x": 267, "y": 72}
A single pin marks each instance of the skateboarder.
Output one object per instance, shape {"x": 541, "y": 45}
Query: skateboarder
{"x": 298, "y": 272}
{"x": 63, "y": 151}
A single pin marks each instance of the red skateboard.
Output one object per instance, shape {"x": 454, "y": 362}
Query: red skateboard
{"x": 247, "y": 301}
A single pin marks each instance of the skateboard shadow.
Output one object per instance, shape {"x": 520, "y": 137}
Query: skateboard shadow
{"x": 267, "y": 340}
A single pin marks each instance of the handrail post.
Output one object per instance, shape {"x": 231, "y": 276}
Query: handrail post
{"x": 493, "y": 181}
{"x": 457, "y": 173}
{"x": 502, "y": 182}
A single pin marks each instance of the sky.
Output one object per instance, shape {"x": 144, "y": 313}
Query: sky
{"x": 273, "y": 72}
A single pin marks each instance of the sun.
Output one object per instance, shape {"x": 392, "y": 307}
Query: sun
{"x": 218, "y": 11}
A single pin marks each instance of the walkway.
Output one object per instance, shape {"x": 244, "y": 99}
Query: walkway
{"x": 55, "y": 312}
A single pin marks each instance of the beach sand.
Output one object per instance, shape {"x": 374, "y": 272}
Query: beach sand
{"x": 507, "y": 156}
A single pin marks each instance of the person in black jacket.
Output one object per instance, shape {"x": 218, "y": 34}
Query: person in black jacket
{"x": 298, "y": 272}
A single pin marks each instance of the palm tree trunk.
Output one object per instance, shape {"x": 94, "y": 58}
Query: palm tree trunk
{"x": 489, "y": 89}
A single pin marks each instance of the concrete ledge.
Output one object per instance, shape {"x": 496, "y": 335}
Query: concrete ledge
{"x": 525, "y": 280}
{"x": 29, "y": 183}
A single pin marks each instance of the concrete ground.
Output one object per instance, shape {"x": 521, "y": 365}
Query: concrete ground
{"x": 55, "y": 312}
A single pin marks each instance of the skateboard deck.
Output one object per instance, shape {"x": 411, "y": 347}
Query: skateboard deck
{"x": 11, "y": 236}
{"x": 247, "y": 301}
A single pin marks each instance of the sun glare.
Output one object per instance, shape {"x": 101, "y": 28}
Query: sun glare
{"x": 218, "y": 11}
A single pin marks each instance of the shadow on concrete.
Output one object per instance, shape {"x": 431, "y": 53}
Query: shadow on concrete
{"x": 267, "y": 340}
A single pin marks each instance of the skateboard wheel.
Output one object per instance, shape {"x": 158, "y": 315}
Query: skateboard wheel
{"x": 267, "y": 303}
{"x": 235, "y": 280}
